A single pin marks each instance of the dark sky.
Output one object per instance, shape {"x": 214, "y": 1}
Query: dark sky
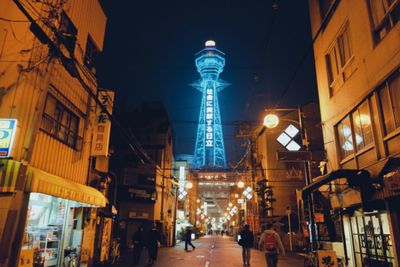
{"x": 149, "y": 55}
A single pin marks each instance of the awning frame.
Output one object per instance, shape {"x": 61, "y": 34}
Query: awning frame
{"x": 355, "y": 178}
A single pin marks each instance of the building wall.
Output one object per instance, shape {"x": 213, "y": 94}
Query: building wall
{"x": 372, "y": 63}
{"x": 23, "y": 93}
{"x": 375, "y": 59}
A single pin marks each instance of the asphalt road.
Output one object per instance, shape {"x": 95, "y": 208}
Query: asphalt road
{"x": 211, "y": 251}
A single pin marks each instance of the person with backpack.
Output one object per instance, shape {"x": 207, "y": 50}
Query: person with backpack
{"x": 271, "y": 243}
{"x": 246, "y": 241}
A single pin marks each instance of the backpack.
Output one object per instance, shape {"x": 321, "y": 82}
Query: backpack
{"x": 270, "y": 242}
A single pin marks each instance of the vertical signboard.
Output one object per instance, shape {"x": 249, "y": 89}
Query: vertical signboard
{"x": 7, "y": 133}
{"x": 209, "y": 118}
{"x": 102, "y": 125}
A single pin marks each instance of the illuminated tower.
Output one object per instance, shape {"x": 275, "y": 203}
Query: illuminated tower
{"x": 209, "y": 151}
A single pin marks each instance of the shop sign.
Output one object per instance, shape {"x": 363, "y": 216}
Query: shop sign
{"x": 138, "y": 215}
{"x": 7, "y": 133}
{"x": 102, "y": 125}
{"x": 25, "y": 258}
{"x": 319, "y": 217}
{"x": 327, "y": 258}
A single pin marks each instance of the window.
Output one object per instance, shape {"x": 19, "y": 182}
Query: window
{"x": 357, "y": 129}
{"x": 339, "y": 60}
{"x": 68, "y": 32}
{"x": 345, "y": 138}
{"x": 389, "y": 96}
{"x": 362, "y": 126}
{"x": 385, "y": 14}
{"x": 91, "y": 53}
{"x": 60, "y": 122}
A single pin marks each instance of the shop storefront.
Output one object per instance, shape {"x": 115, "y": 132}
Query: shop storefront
{"x": 53, "y": 230}
{"x": 368, "y": 215}
{"x": 56, "y": 219}
{"x": 368, "y": 239}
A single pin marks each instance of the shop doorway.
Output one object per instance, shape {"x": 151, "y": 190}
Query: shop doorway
{"x": 368, "y": 239}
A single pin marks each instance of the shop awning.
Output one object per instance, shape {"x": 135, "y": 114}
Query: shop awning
{"x": 43, "y": 182}
{"x": 355, "y": 178}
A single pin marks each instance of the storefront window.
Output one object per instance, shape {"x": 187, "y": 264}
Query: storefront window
{"x": 52, "y": 229}
{"x": 371, "y": 239}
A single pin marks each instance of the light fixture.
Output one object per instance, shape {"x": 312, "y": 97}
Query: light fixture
{"x": 271, "y": 121}
{"x": 189, "y": 185}
{"x": 240, "y": 184}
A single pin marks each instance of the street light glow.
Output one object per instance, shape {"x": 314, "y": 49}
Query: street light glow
{"x": 271, "y": 121}
{"x": 240, "y": 184}
{"x": 189, "y": 185}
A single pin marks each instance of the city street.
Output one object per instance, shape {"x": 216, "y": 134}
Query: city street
{"x": 212, "y": 251}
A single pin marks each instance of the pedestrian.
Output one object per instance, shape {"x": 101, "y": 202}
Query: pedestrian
{"x": 188, "y": 239}
{"x": 138, "y": 239}
{"x": 271, "y": 243}
{"x": 153, "y": 241}
{"x": 222, "y": 232}
{"x": 246, "y": 241}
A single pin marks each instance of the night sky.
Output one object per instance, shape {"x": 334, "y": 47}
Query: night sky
{"x": 149, "y": 55}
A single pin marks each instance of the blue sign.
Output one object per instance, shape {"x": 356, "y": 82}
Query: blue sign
{"x": 7, "y": 132}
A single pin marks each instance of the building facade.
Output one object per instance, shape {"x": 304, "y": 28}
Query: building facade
{"x": 47, "y": 88}
{"x": 357, "y": 59}
{"x": 147, "y": 189}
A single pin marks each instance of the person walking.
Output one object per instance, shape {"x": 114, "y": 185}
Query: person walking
{"x": 138, "y": 239}
{"x": 188, "y": 239}
{"x": 246, "y": 241}
{"x": 271, "y": 243}
{"x": 153, "y": 241}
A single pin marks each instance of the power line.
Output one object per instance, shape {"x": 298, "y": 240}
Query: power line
{"x": 14, "y": 20}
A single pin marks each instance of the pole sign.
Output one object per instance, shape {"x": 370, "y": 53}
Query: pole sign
{"x": 7, "y": 133}
{"x": 102, "y": 125}
{"x": 209, "y": 117}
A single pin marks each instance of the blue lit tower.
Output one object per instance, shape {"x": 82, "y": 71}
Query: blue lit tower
{"x": 209, "y": 151}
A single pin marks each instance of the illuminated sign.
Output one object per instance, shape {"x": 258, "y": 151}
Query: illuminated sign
{"x": 286, "y": 138}
{"x": 7, "y": 133}
{"x": 209, "y": 118}
{"x": 102, "y": 125}
{"x": 182, "y": 178}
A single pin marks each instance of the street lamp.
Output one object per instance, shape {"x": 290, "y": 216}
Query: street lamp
{"x": 189, "y": 185}
{"x": 240, "y": 184}
{"x": 271, "y": 121}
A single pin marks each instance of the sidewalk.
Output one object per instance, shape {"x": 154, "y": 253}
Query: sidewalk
{"x": 210, "y": 252}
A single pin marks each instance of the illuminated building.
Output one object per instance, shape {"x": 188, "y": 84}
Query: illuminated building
{"x": 209, "y": 151}
{"x": 357, "y": 62}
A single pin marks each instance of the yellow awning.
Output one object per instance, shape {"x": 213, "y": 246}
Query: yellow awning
{"x": 43, "y": 182}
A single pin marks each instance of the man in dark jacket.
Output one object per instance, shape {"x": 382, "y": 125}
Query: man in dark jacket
{"x": 246, "y": 241}
{"x": 188, "y": 238}
{"x": 138, "y": 244}
{"x": 153, "y": 240}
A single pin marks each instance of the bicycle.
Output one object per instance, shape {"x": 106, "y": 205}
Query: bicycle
{"x": 310, "y": 259}
{"x": 115, "y": 252}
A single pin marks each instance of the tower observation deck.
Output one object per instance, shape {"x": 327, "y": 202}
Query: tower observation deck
{"x": 209, "y": 150}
